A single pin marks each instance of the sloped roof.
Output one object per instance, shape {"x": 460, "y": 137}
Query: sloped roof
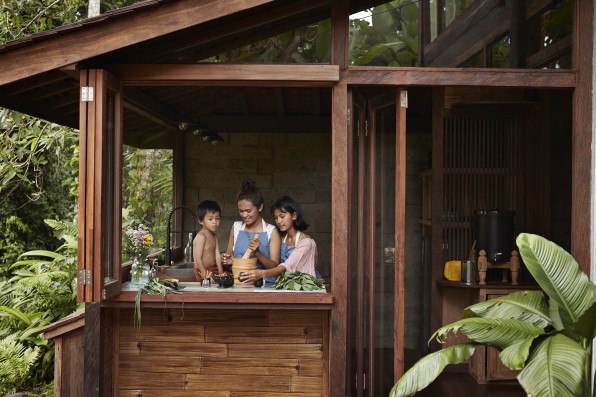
{"x": 45, "y": 81}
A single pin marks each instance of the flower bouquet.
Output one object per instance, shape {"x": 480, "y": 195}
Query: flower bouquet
{"x": 140, "y": 240}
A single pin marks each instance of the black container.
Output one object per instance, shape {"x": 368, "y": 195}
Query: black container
{"x": 494, "y": 234}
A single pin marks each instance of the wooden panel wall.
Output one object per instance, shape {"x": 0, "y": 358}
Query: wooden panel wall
{"x": 483, "y": 170}
{"x": 223, "y": 353}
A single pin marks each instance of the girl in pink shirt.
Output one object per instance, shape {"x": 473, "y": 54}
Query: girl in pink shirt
{"x": 298, "y": 250}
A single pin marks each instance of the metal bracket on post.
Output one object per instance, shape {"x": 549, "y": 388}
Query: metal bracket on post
{"x": 404, "y": 99}
{"x": 87, "y": 94}
{"x": 84, "y": 277}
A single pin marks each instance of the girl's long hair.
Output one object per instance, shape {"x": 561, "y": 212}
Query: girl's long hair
{"x": 288, "y": 205}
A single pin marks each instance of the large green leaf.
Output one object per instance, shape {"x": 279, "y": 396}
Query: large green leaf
{"x": 555, "y": 368}
{"x": 514, "y": 356}
{"x": 429, "y": 367}
{"x": 559, "y": 275}
{"x": 528, "y": 306}
{"x": 498, "y": 333}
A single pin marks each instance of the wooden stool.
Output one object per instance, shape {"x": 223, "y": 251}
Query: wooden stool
{"x": 512, "y": 265}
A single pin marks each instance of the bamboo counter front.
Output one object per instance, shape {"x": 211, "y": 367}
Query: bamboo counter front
{"x": 235, "y": 342}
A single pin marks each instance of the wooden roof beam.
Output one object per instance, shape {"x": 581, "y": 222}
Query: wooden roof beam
{"x": 226, "y": 74}
{"x": 77, "y": 45}
{"x": 529, "y": 78}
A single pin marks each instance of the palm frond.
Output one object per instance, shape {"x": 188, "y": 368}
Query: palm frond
{"x": 527, "y": 306}
{"x": 515, "y": 356}
{"x": 67, "y": 228}
{"x": 429, "y": 367}
{"x": 559, "y": 275}
{"x": 15, "y": 361}
{"x": 499, "y": 333}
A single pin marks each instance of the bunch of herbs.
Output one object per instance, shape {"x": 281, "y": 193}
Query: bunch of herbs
{"x": 296, "y": 281}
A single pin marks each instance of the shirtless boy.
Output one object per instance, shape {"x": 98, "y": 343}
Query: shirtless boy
{"x": 205, "y": 245}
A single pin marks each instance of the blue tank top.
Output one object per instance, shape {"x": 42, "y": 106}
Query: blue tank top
{"x": 241, "y": 245}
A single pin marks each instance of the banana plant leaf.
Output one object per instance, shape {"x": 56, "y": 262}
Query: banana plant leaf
{"x": 429, "y": 367}
{"x": 561, "y": 278}
{"x": 514, "y": 356}
{"x": 499, "y": 333}
{"x": 555, "y": 368}
{"x": 527, "y": 306}
{"x": 25, "y": 318}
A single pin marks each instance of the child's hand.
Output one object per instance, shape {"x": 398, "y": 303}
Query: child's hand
{"x": 208, "y": 274}
{"x": 197, "y": 273}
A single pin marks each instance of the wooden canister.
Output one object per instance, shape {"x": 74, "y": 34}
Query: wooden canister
{"x": 243, "y": 265}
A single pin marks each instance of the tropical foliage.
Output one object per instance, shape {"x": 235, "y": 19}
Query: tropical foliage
{"x": 22, "y": 18}
{"x": 42, "y": 289}
{"x": 386, "y": 36}
{"x": 548, "y": 336}
{"x": 38, "y": 164}
{"x": 147, "y": 191}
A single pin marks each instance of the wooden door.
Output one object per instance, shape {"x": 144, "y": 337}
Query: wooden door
{"x": 376, "y": 272}
{"x": 100, "y": 164}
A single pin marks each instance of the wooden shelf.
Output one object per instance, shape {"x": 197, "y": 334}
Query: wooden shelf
{"x": 496, "y": 286}
{"x": 484, "y": 365}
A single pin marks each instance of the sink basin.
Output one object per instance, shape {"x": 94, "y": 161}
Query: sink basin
{"x": 181, "y": 270}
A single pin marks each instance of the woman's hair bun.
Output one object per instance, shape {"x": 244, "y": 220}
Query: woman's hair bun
{"x": 249, "y": 192}
{"x": 249, "y": 185}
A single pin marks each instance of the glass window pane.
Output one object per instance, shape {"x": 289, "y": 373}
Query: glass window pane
{"x": 500, "y": 55}
{"x": 107, "y": 203}
{"x": 449, "y": 10}
{"x": 384, "y": 35}
{"x": 307, "y": 44}
{"x": 462, "y": 33}
{"x": 147, "y": 180}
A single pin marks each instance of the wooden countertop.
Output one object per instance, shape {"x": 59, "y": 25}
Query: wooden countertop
{"x": 234, "y": 297}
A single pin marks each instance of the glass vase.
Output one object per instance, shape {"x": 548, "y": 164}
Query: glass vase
{"x": 139, "y": 272}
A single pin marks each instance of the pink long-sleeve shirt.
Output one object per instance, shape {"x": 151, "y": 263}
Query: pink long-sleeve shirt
{"x": 304, "y": 257}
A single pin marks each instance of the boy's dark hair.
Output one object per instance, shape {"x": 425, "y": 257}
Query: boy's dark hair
{"x": 287, "y": 204}
{"x": 249, "y": 192}
{"x": 206, "y": 206}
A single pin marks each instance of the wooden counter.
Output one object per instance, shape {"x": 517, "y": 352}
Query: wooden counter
{"x": 234, "y": 297}
{"x": 183, "y": 351}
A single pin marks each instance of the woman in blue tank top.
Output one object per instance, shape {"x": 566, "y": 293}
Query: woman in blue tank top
{"x": 267, "y": 247}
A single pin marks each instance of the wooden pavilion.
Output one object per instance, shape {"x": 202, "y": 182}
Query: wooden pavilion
{"x": 518, "y": 138}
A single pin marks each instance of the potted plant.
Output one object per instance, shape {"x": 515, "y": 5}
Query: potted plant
{"x": 549, "y": 338}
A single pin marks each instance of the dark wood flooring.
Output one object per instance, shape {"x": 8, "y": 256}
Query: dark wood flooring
{"x": 461, "y": 384}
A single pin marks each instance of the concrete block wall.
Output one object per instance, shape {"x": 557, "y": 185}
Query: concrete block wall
{"x": 297, "y": 165}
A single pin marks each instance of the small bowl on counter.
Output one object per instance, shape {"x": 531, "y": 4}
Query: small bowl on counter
{"x": 224, "y": 280}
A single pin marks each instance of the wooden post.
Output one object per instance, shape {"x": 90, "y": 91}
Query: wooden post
{"x": 94, "y": 371}
{"x": 582, "y": 134}
{"x": 340, "y": 13}
{"x": 340, "y": 247}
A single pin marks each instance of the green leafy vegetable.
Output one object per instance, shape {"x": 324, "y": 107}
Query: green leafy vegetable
{"x": 297, "y": 281}
{"x": 154, "y": 286}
